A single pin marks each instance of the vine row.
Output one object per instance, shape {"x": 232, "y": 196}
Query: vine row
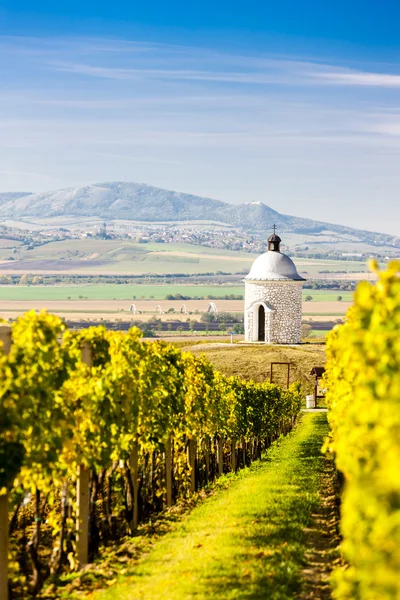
{"x": 99, "y": 430}
{"x": 363, "y": 375}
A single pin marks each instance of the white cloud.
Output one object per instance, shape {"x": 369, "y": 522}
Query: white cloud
{"x": 168, "y": 74}
{"x": 358, "y": 78}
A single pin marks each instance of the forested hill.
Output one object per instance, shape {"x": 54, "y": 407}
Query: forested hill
{"x": 140, "y": 202}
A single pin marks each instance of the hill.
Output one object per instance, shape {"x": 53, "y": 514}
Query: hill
{"x": 140, "y": 202}
{"x": 7, "y": 197}
{"x": 254, "y": 362}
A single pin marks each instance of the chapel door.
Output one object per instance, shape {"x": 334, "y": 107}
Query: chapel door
{"x": 261, "y": 324}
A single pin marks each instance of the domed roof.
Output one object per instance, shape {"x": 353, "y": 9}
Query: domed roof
{"x": 273, "y": 266}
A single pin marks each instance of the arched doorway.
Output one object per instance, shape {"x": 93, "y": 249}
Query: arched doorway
{"x": 261, "y": 323}
{"x": 261, "y": 320}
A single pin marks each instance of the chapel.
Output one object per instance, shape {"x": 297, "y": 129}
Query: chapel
{"x": 273, "y": 298}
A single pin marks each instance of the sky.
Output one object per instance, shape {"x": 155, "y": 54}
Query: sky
{"x": 292, "y": 103}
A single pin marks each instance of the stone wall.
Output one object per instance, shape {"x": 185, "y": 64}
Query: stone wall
{"x": 283, "y": 302}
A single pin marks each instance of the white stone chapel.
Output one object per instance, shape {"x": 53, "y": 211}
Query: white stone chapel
{"x": 273, "y": 298}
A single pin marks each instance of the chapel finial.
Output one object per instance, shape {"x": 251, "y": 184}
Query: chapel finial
{"x": 274, "y": 241}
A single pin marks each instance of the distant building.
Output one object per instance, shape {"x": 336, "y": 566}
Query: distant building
{"x": 273, "y": 298}
{"x": 102, "y": 232}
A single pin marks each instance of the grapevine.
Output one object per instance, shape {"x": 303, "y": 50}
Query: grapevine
{"x": 136, "y": 399}
{"x": 363, "y": 375}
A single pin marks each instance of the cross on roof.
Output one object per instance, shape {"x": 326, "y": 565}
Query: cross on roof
{"x": 274, "y": 228}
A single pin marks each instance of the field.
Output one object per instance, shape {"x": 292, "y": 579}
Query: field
{"x": 139, "y": 292}
{"x": 113, "y": 301}
{"x": 87, "y": 256}
{"x": 125, "y": 257}
{"x": 319, "y": 333}
{"x": 8, "y": 244}
{"x": 119, "y": 309}
{"x": 126, "y": 292}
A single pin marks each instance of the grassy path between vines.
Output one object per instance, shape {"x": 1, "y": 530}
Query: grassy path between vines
{"x": 251, "y": 540}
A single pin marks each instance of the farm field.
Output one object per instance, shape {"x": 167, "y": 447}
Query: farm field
{"x": 119, "y": 309}
{"x": 319, "y": 318}
{"x": 319, "y": 333}
{"x": 124, "y": 257}
{"x": 140, "y": 292}
{"x": 127, "y": 292}
{"x": 6, "y": 243}
{"x": 88, "y": 256}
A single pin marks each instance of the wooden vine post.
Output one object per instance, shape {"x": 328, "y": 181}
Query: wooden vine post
{"x": 82, "y": 492}
{"x": 233, "y": 456}
{"x": 207, "y": 456}
{"x": 220, "y": 455}
{"x": 191, "y": 453}
{"x": 244, "y": 452}
{"x": 5, "y": 337}
{"x": 134, "y": 467}
{"x": 168, "y": 470}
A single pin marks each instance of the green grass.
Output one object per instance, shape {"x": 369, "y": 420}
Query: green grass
{"x": 245, "y": 542}
{"x": 327, "y": 313}
{"x": 319, "y": 333}
{"x": 127, "y": 291}
{"x": 111, "y": 291}
{"x": 328, "y": 295}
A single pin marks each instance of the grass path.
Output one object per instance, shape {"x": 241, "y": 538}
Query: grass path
{"x": 247, "y": 541}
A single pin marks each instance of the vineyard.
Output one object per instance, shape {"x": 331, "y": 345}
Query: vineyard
{"x": 100, "y": 430}
{"x": 364, "y": 396}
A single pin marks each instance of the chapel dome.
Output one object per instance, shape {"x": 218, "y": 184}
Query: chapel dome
{"x": 273, "y": 266}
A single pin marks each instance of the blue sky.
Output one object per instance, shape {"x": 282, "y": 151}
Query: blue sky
{"x": 295, "y": 104}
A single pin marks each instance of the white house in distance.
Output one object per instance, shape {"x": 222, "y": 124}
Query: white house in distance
{"x": 273, "y": 298}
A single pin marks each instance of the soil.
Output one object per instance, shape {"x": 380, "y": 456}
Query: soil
{"x": 323, "y": 539}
